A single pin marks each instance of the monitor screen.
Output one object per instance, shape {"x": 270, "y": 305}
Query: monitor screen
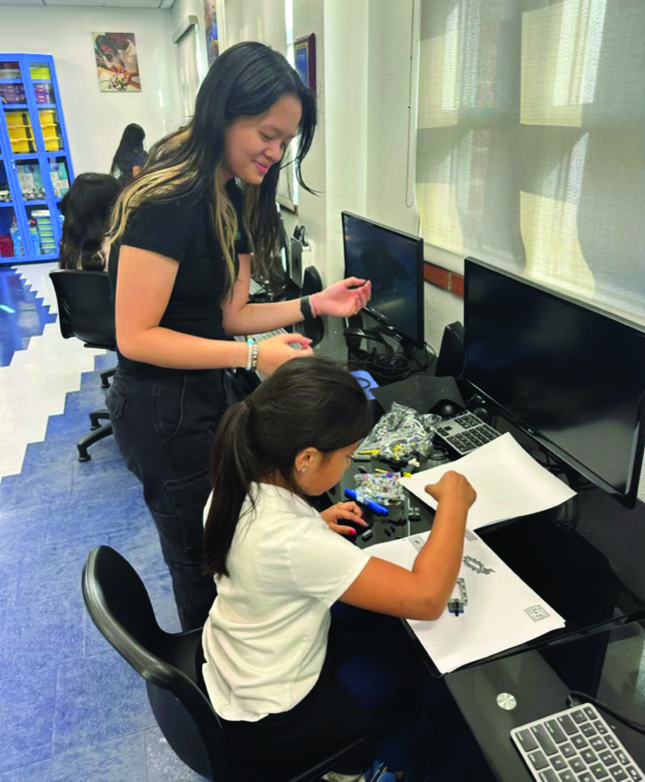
{"x": 393, "y": 261}
{"x": 572, "y": 376}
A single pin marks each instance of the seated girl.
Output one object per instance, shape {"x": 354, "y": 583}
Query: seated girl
{"x": 86, "y": 208}
{"x": 278, "y": 666}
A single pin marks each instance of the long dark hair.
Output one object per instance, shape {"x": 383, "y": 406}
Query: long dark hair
{"x": 245, "y": 81}
{"x": 86, "y": 208}
{"x": 308, "y": 402}
{"x": 130, "y": 148}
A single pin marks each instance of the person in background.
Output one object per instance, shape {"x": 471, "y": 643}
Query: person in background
{"x": 86, "y": 208}
{"x": 289, "y": 678}
{"x": 130, "y": 155}
{"x": 182, "y": 236}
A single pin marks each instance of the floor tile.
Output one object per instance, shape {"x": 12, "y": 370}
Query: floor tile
{"x": 38, "y": 772}
{"x": 122, "y": 760}
{"x": 98, "y": 699}
{"x": 163, "y": 765}
{"x": 59, "y": 619}
{"x": 27, "y": 718}
{"x": 100, "y": 478}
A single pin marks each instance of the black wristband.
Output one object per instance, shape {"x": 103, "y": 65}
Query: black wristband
{"x": 305, "y": 308}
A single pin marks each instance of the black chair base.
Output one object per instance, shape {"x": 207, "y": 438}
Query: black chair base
{"x": 99, "y": 415}
{"x": 90, "y": 439}
{"x": 105, "y": 383}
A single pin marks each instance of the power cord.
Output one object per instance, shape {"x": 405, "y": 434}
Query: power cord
{"x": 575, "y": 698}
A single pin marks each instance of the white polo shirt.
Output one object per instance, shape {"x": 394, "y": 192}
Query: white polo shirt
{"x": 266, "y": 635}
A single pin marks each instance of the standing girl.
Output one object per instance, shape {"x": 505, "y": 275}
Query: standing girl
{"x": 276, "y": 683}
{"x": 130, "y": 155}
{"x": 182, "y": 237}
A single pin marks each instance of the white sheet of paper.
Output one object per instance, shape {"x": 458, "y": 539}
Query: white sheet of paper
{"x": 502, "y": 610}
{"x": 509, "y": 483}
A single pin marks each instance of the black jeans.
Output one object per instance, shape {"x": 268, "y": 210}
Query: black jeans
{"x": 164, "y": 428}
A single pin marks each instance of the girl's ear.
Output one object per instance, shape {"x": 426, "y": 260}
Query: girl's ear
{"x": 305, "y": 459}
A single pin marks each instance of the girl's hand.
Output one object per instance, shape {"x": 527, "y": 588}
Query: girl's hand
{"x": 343, "y": 510}
{"x": 273, "y": 352}
{"x": 342, "y": 299}
{"x": 453, "y": 487}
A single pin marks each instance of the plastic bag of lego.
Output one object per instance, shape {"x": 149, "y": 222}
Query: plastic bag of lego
{"x": 379, "y": 487}
{"x": 402, "y": 434}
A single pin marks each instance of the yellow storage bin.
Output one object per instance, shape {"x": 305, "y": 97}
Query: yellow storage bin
{"x": 52, "y": 145}
{"x": 40, "y": 72}
{"x": 17, "y": 119}
{"x": 47, "y": 117}
{"x": 20, "y": 147}
{"x": 21, "y": 134}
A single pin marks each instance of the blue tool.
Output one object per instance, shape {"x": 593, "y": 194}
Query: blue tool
{"x": 380, "y": 510}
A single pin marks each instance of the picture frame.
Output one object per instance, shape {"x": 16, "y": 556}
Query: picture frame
{"x": 305, "y": 59}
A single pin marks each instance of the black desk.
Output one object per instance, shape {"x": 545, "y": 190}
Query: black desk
{"x": 540, "y": 681}
{"x": 591, "y": 574}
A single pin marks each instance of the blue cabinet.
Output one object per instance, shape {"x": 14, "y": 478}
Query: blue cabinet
{"x": 35, "y": 162}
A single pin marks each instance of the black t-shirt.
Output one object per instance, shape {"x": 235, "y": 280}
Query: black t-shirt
{"x": 183, "y": 230}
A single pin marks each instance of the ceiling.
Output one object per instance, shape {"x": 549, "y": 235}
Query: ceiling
{"x": 95, "y": 3}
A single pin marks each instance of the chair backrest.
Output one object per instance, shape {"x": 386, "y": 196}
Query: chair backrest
{"x": 312, "y": 283}
{"x": 119, "y": 605}
{"x": 85, "y": 306}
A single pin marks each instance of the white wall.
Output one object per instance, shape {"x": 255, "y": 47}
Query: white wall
{"x": 95, "y": 120}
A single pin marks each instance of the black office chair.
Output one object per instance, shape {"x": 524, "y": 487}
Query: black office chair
{"x": 86, "y": 311}
{"x": 170, "y": 663}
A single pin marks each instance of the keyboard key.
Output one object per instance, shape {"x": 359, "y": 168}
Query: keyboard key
{"x": 577, "y": 765}
{"x": 600, "y": 727}
{"x": 597, "y": 743}
{"x": 633, "y": 774}
{"x": 608, "y": 758}
{"x": 548, "y": 776}
{"x": 567, "y": 725}
{"x": 544, "y": 740}
{"x": 557, "y": 734}
{"x": 567, "y": 776}
{"x": 567, "y": 750}
{"x": 611, "y": 741}
{"x": 589, "y": 757}
{"x": 622, "y": 757}
{"x": 538, "y": 760}
{"x": 558, "y": 762}
{"x": 589, "y": 730}
{"x": 590, "y": 712}
{"x": 579, "y": 741}
{"x": 527, "y": 741}
{"x": 618, "y": 774}
{"x": 599, "y": 771}
{"x": 586, "y": 776}
{"x": 579, "y": 716}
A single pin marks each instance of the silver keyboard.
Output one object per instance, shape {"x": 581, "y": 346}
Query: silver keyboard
{"x": 466, "y": 432}
{"x": 575, "y": 745}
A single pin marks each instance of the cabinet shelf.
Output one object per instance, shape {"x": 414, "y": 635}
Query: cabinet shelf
{"x": 34, "y": 224}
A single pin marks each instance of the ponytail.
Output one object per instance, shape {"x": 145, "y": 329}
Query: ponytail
{"x": 233, "y": 469}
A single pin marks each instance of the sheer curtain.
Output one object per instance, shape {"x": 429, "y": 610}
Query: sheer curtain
{"x": 531, "y": 139}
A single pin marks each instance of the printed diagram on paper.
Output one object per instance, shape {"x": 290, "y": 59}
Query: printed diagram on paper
{"x": 502, "y": 611}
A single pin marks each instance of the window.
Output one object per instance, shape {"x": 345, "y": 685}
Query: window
{"x": 531, "y": 139}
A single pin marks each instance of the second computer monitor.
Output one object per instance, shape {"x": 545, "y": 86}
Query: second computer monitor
{"x": 393, "y": 261}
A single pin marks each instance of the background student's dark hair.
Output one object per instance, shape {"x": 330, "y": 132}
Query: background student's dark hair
{"x": 129, "y": 153}
{"x": 245, "y": 81}
{"x": 87, "y": 206}
{"x": 311, "y": 402}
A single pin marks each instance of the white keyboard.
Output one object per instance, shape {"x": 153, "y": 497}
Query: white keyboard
{"x": 575, "y": 745}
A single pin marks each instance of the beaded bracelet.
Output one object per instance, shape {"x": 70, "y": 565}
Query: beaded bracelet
{"x": 253, "y": 354}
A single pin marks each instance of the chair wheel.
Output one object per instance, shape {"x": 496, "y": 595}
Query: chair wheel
{"x": 95, "y": 425}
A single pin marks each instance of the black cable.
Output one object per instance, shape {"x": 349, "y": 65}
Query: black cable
{"x": 581, "y": 697}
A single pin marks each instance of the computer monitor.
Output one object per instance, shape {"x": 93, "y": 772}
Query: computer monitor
{"x": 393, "y": 261}
{"x": 570, "y": 375}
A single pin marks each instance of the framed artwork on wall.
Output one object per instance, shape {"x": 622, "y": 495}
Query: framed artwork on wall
{"x": 117, "y": 62}
{"x": 305, "y": 59}
{"x": 212, "y": 34}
